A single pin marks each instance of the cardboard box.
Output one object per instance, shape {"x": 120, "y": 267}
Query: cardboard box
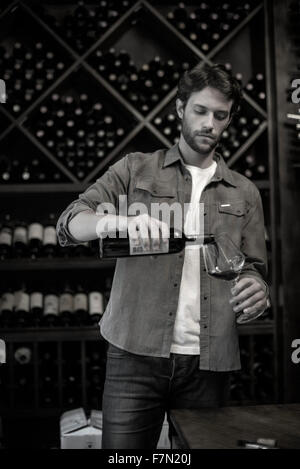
{"x": 78, "y": 432}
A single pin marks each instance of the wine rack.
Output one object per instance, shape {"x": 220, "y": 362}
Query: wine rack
{"x": 143, "y": 40}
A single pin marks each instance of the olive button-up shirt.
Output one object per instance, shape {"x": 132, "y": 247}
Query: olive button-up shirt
{"x": 141, "y": 311}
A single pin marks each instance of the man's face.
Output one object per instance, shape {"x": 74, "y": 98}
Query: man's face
{"x": 204, "y": 118}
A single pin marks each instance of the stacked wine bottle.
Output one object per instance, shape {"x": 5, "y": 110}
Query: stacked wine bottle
{"x": 78, "y": 130}
{"x": 143, "y": 87}
{"x": 19, "y": 239}
{"x": 30, "y": 167}
{"x": 83, "y": 25}
{"x": 28, "y": 71}
{"x": 51, "y": 305}
{"x": 206, "y": 25}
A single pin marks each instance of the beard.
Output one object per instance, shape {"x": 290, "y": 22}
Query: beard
{"x": 193, "y": 140}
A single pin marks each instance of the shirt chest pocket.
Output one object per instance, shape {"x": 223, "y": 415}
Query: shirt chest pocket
{"x": 232, "y": 209}
{"x": 230, "y": 218}
{"x": 150, "y": 191}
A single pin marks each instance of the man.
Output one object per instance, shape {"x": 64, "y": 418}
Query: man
{"x": 171, "y": 329}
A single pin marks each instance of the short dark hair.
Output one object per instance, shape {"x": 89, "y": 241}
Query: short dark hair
{"x": 215, "y": 76}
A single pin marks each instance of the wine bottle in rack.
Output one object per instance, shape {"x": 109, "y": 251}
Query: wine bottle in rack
{"x": 35, "y": 238}
{"x": 6, "y": 237}
{"x": 80, "y": 305}
{"x": 48, "y": 376}
{"x": 23, "y": 355}
{"x": 23, "y": 376}
{"x": 49, "y": 247}
{"x": 20, "y": 239}
{"x": 96, "y": 306}
{"x": 36, "y": 304}
{"x": 5, "y": 169}
{"x": 7, "y": 307}
{"x": 22, "y": 312}
{"x": 66, "y": 305}
{"x": 51, "y": 307}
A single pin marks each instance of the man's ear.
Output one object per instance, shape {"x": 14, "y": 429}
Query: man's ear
{"x": 179, "y": 108}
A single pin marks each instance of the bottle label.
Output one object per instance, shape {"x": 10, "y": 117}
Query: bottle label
{"x": 66, "y": 302}
{"x": 51, "y": 305}
{"x": 95, "y": 303}
{"x": 20, "y": 234}
{"x": 139, "y": 249}
{"x": 36, "y": 300}
{"x": 6, "y": 236}
{"x": 21, "y": 301}
{"x": 35, "y": 231}
{"x": 80, "y": 302}
{"x": 49, "y": 236}
{"x": 7, "y": 302}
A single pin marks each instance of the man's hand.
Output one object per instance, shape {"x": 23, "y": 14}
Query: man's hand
{"x": 142, "y": 229}
{"x": 249, "y": 297}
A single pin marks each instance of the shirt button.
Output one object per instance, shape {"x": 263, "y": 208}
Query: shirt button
{"x": 205, "y": 297}
{"x": 170, "y": 314}
{"x": 204, "y": 269}
{"x": 205, "y": 326}
{"x": 180, "y": 256}
{"x": 204, "y": 213}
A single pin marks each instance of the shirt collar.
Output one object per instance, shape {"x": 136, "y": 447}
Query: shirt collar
{"x": 222, "y": 171}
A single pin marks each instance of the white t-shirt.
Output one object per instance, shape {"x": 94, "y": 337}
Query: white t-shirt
{"x": 186, "y": 337}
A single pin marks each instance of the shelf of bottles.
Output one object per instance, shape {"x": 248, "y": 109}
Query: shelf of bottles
{"x": 52, "y": 376}
{"x": 49, "y": 377}
{"x": 92, "y": 76}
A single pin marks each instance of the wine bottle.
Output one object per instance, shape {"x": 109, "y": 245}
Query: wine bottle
{"x": 36, "y": 305}
{"x": 80, "y": 305}
{"x": 35, "y": 238}
{"x": 20, "y": 243}
{"x": 23, "y": 376}
{"x": 121, "y": 247}
{"x": 23, "y": 355}
{"x": 96, "y": 306}
{"x": 7, "y": 307}
{"x": 66, "y": 305}
{"x": 5, "y": 169}
{"x": 6, "y": 236}
{"x": 23, "y": 315}
{"x": 51, "y": 307}
{"x": 49, "y": 248}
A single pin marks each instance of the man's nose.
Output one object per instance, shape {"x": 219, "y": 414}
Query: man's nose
{"x": 209, "y": 121}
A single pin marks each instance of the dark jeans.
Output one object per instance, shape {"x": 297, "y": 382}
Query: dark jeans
{"x": 139, "y": 389}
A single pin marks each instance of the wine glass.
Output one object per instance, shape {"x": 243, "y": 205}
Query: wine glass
{"x": 224, "y": 260}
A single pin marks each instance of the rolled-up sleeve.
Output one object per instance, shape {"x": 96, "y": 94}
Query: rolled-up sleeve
{"x": 253, "y": 241}
{"x": 106, "y": 189}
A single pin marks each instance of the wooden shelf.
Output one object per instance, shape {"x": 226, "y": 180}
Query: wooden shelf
{"x": 46, "y": 264}
{"x": 50, "y": 334}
